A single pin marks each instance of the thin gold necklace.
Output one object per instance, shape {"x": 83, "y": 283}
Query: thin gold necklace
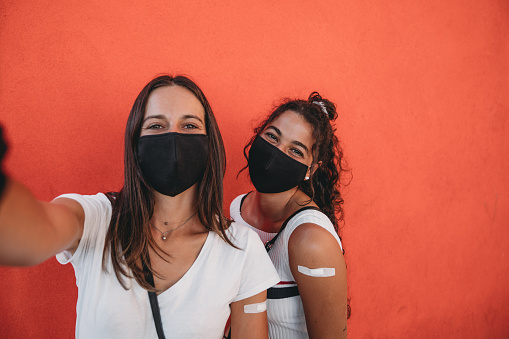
{"x": 163, "y": 234}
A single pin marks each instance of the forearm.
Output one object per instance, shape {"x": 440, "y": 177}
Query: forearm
{"x": 32, "y": 231}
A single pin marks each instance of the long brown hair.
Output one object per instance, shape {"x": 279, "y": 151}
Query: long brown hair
{"x": 129, "y": 237}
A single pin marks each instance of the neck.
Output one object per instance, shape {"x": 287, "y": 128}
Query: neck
{"x": 170, "y": 212}
{"x": 269, "y": 210}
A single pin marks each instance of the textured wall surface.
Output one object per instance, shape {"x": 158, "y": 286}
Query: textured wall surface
{"x": 422, "y": 89}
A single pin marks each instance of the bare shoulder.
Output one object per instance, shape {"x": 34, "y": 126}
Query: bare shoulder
{"x": 311, "y": 243}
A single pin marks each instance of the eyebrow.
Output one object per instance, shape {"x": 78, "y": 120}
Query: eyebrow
{"x": 158, "y": 116}
{"x": 161, "y": 116}
{"x": 295, "y": 142}
{"x": 298, "y": 143}
{"x": 275, "y": 130}
{"x": 191, "y": 116}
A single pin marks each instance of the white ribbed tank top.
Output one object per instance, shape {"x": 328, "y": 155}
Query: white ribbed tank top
{"x": 285, "y": 314}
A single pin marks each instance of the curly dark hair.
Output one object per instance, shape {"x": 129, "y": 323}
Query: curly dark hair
{"x": 323, "y": 186}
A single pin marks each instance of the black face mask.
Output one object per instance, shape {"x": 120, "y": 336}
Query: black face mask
{"x": 172, "y": 162}
{"x": 271, "y": 170}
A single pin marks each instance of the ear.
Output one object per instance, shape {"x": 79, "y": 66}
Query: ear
{"x": 313, "y": 168}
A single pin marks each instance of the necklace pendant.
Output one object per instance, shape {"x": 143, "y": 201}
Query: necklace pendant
{"x": 163, "y": 234}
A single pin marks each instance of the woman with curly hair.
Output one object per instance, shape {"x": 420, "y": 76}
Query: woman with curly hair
{"x": 295, "y": 164}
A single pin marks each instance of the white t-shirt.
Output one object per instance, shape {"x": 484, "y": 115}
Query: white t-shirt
{"x": 285, "y": 312}
{"x": 197, "y": 306}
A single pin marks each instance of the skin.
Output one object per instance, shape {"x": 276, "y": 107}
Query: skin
{"x": 324, "y": 298}
{"x": 32, "y": 231}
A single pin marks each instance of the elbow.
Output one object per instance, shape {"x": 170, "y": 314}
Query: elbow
{"x": 12, "y": 255}
{"x": 25, "y": 259}
{"x": 21, "y": 260}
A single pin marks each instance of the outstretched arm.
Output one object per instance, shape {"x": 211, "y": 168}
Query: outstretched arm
{"x": 318, "y": 266}
{"x": 32, "y": 231}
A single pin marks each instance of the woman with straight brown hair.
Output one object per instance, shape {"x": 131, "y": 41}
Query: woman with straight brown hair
{"x": 164, "y": 232}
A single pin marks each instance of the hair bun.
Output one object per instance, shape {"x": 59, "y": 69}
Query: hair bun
{"x": 327, "y": 107}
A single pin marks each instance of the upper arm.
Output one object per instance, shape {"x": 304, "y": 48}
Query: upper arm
{"x": 246, "y": 324}
{"x": 68, "y": 218}
{"x": 324, "y": 297}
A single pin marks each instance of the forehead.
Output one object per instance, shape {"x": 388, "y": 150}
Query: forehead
{"x": 294, "y": 127}
{"x": 173, "y": 101}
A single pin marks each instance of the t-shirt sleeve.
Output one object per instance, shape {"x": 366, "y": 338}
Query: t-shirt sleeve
{"x": 235, "y": 207}
{"x": 258, "y": 273}
{"x": 97, "y": 210}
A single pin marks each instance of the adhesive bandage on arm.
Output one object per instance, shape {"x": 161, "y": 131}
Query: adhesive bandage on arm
{"x": 256, "y": 308}
{"x": 317, "y": 272}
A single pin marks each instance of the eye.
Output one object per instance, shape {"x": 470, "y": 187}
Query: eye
{"x": 190, "y": 126}
{"x": 271, "y": 136}
{"x": 154, "y": 126}
{"x": 297, "y": 152}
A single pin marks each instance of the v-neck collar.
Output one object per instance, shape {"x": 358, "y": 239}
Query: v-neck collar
{"x": 198, "y": 262}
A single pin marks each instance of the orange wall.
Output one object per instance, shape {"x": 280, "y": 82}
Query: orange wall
{"x": 422, "y": 88}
